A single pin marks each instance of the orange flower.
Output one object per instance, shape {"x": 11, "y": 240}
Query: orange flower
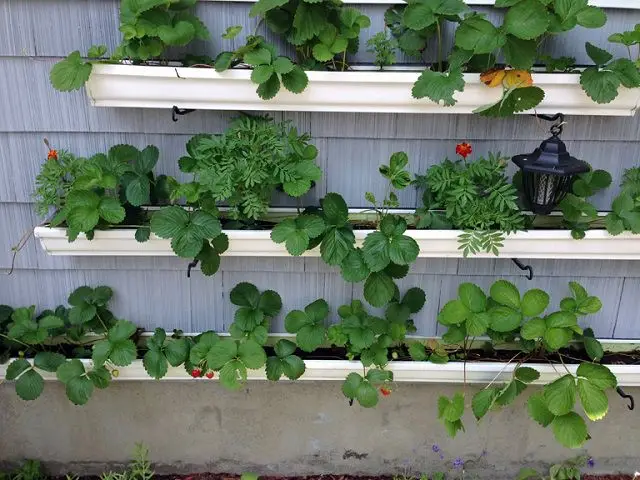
{"x": 385, "y": 391}
{"x": 464, "y": 149}
{"x": 52, "y": 155}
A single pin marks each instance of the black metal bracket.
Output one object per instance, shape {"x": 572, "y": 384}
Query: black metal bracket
{"x": 191, "y": 265}
{"x": 632, "y": 403}
{"x": 524, "y": 267}
{"x": 556, "y": 129}
{"x": 180, "y": 111}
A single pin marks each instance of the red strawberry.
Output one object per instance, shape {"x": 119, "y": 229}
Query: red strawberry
{"x": 196, "y": 372}
{"x": 210, "y": 374}
{"x": 385, "y": 391}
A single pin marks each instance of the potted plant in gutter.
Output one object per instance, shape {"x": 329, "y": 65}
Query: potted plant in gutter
{"x": 472, "y": 196}
{"x": 148, "y": 29}
{"x": 242, "y": 167}
{"x": 386, "y": 253}
{"x": 478, "y": 44}
{"x": 101, "y": 191}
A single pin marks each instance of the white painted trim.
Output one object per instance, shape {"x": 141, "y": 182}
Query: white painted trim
{"x": 354, "y": 91}
{"x": 414, "y": 372}
{"x": 624, "y": 4}
{"x": 559, "y": 244}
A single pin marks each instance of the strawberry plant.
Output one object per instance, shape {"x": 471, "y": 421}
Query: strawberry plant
{"x": 625, "y": 214}
{"x": 99, "y": 191}
{"x": 309, "y": 325}
{"x": 252, "y": 319}
{"x": 117, "y": 348}
{"x": 364, "y": 389}
{"x": 602, "y": 81}
{"x": 322, "y": 32}
{"x": 148, "y": 28}
{"x": 41, "y": 337}
{"x": 386, "y": 253}
{"x": 577, "y": 212}
{"x": 508, "y": 315}
{"x": 163, "y": 351}
{"x": 284, "y": 362}
{"x": 478, "y": 43}
{"x": 270, "y": 70}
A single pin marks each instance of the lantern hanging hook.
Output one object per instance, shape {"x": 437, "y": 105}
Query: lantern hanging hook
{"x": 558, "y": 118}
{"x": 523, "y": 267}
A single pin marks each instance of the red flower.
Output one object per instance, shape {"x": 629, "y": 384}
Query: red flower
{"x": 464, "y": 149}
{"x": 196, "y": 372}
{"x": 52, "y": 155}
{"x": 385, "y": 391}
{"x": 209, "y": 374}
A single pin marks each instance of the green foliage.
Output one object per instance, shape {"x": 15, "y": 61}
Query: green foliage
{"x": 270, "y": 71}
{"x": 568, "y": 470}
{"x": 577, "y": 212}
{"x": 117, "y": 348}
{"x": 40, "y": 336}
{"x": 475, "y": 197}
{"x": 603, "y": 81}
{"x": 284, "y": 362}
{"x": 73, "y": 72}
{"x": 365, "y": 389}
{"x": 98, "y": 191}
{"x": 138, "y": 469}
{"x": 369, "y": 337}
{"x": 308, "y": 325}
{"x": 150, "y": 27}
{"x": 163, "y": 351}
{"x": 508, "y": 315}
{"x": 245, "y": 165}
{"x": 320, "y": 30}
{"x": 414, "y": 25}
{"x": 29, "y": 470}
{"x": 384, "y": 49}
{"x": 625, "y": 214}
{"x": 253, "y": 317}
{"x": 478, "y": 43}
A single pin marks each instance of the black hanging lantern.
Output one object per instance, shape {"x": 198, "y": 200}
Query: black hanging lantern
{"x": 548, "y": 172}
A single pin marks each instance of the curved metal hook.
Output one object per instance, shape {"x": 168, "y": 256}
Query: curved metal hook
{"x": 523, "y": 267}
{"x": 180, "y": 111}
{"x": 556, "y": 128}
{"x": 632, "y": 403}
{"x": 190, "y": 266}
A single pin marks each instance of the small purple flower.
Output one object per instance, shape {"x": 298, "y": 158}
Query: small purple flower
{"x": 484, "y": 453}
{"x": 441, "y": 457}
{"x": 458, "y": 463}
{"x": 435, "y": 448}
{"x": 591, "y": 462}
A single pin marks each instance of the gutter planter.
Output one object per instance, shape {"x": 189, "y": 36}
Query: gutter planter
{"x": 414, "y": 372}
{"x": 559, "y": 244}
{"x": 353, "y": 91}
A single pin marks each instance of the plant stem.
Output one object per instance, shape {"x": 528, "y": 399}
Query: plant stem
{"x": 101, "y": 322}
{"x": 255, "y": 30}
{"x": 344, "y": 60}
{"x": 503, "y": 369}
{"x": 563, "y": 364}
{"x": 15, "y": 340}
{"x": 439, "y": 28}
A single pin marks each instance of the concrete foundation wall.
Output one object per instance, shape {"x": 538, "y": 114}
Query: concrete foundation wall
{"x": 291, "y": 429}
